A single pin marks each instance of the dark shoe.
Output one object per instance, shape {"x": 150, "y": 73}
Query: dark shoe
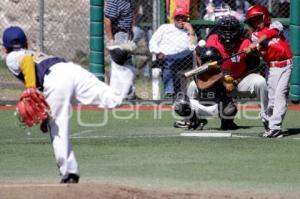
{"x": 70, "y": 179}
{"x": 197, "y": 124}
{"x": 228, "y": 125}
{"x": 133, "y": 97}
{"x": 203, "y": 122}
{"x": 275, "y": 133}
{"x": 184, "y": 123}
{"x": 169, "y": 96}
{"x": 191, "y": 124}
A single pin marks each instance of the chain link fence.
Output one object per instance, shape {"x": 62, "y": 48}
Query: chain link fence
{"x": 202, "y": 17}
{"x": 61, "y": 28}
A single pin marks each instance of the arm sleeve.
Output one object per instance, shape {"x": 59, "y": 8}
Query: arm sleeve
{"x": 27, "y": 67}
{"x": 270, "y": 33}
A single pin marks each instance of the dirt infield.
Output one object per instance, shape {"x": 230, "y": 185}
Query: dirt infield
{"x": 93, "y": 191}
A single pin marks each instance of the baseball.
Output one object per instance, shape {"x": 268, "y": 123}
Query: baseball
{"x": 202, "y": 43}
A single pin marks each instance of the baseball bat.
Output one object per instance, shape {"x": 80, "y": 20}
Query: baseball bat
{"x": 205, "y": 67}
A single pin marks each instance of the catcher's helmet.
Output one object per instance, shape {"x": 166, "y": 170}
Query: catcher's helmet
{"x": 257, "y": 10}
{"x": 14, "y": 38}
{"x": 207, "y": 54}
{"x": 229, "y": 31}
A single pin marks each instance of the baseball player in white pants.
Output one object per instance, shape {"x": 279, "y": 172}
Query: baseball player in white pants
{"x": 278, "y": 88}
{"x": 62, "y": 84}
{"x": 60, "y": 90}
{"x": 267, "y": 37}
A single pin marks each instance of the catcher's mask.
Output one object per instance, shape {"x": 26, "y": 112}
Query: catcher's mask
{"x": 229, "y": 31}
{"x": 14, "y": 38}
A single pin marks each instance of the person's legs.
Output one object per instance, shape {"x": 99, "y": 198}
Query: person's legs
{"x": 167, "y": 77}
{"x": 192, "y": 90}
{"x": 174, "y": 63}
{"x": 204, "y": 111}
{"x": 254, "y": 85}
{"x": 89, "y": 90}
{"x": 122, "y": 76}
{"x": 181, "y": 65}
{"x": 279, "y": 82}
{"x": 58, "y": 89}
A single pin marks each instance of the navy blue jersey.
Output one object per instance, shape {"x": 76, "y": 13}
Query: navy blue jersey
{"x": 120, "y": 12}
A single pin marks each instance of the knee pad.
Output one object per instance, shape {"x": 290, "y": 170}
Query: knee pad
{"x": 182, "y": 106}
{"x": 228, "y": 110}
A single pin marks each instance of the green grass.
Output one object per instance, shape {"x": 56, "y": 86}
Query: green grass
{"x": 143, "y": 151}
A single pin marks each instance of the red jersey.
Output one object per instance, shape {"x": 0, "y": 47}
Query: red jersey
{"x": 235, "y": 66}
{"x": 275, "y": 47}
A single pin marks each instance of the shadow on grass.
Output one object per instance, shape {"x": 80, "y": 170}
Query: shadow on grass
{"x": 291, "y": 132}
{"x": 239, "y": 128}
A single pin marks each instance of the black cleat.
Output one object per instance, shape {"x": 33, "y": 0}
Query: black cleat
{"x": 191, "y": 124}
{"x": 182, "y": 123}
{"x": 228, "y": 124}
{"x": 70, "y": 179}
{"x": 197, "y": 124}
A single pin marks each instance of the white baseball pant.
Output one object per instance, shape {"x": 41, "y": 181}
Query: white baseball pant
{"x": 278, "y": 88}
{"x": 67, "y": 83}
{"x": 254, "y": 85}
{"x": 201, "y": 110}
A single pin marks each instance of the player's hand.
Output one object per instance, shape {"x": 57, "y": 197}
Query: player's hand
{"x": 251, "y": 48}
{"x": 187, "y": 26}
{"x": 229, "y": 87}
{"x": 160, "y": 56}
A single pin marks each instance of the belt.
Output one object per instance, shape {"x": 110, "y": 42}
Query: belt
{"x": 281, "y": 64}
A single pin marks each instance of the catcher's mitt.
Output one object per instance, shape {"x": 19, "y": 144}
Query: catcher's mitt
{"x": 32, "y": 107}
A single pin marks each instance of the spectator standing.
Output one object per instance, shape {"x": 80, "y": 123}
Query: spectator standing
{"x": 173, "y": 44}
{"x": 118, "y": 22}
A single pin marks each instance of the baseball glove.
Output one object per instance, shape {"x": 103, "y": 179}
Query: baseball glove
{"x": 32, "y": 107}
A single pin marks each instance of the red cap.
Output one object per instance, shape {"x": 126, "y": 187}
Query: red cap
{"x": 180, "y": 11}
